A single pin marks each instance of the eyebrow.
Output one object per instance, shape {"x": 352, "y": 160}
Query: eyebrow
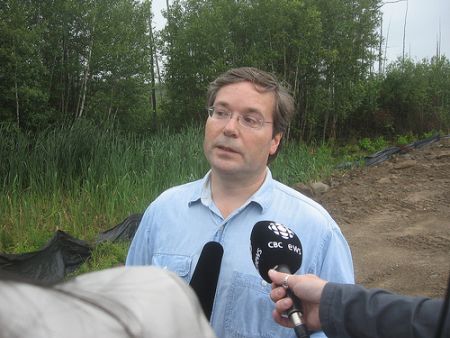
{"x": 221, "y": 104}
{"x": 247, "y": 111}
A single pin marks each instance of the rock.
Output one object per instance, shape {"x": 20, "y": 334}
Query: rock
{"x": 312, "y": 189}
{"x": 304, "y": 189}
{"x": 384, "y": 180}
{"x": 443, "y": 155}
{"x": 319, "y": 188}
{"x": 405, "y": 164}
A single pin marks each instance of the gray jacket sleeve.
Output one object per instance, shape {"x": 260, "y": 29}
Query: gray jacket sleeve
{"x": 353, "y": 311}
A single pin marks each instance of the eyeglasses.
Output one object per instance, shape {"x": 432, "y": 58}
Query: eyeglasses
{"x": 252, "y": 120}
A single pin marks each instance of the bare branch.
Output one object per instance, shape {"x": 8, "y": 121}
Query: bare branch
{"x": 404, "y": 31}
{"x": 390, "y": 2}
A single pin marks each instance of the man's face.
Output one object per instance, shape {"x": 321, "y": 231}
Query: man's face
{"x": 232, "y": 149}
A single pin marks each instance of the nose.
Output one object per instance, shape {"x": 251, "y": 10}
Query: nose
{"x": 230, "y": 128}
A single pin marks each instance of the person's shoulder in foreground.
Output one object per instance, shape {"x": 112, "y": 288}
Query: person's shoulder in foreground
{"x": 345, "y": 310}
{"x": 377, "y": 313}
{"x": 119, "y": 302}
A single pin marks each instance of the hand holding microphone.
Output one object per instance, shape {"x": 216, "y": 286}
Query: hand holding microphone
{"x": 275, "y": 246}
{"x": 308, "y": 288}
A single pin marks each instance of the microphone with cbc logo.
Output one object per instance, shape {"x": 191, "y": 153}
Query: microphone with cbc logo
{"x": 275, "y": 246}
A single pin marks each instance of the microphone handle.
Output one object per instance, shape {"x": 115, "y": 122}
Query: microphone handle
{"x": 301, "y": 331}
{"x": 294, "y": 313}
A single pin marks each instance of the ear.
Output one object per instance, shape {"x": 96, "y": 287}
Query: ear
{"x": 275, "y": 143}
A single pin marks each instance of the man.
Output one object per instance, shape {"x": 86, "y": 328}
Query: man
{"x": 344, "y": 310}
{"x": 248, "y": 113}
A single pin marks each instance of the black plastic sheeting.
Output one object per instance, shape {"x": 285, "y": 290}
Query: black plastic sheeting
{"x": 385, "y": 154}
{"x": 121, "y": 232}
{"x": 63, "y": 254}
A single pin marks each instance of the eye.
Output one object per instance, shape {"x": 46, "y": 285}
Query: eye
{"x": 251, "y": 120}
{"x": 221, "y": 113}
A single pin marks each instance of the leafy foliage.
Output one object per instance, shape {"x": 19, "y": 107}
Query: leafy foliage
{"x": 416, "y": 97}
{"x": 67, "y": 59}
{"x": 323, "y": 49}
{"x": 373, "y": 145}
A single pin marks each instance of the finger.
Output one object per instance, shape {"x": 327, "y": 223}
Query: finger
{"x": 277, "y": 277}
{"x": 277, "y": 293}
{"x": 284, "y": 304}
{"x": 283, "y": 321}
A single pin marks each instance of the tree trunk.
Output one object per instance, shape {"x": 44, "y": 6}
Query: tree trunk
{"x": 64, "y": 75}
{"x": 158, "y": 72}
{"x": 83, "y": 88}
{"x": 16, "y": 86}
{"x": 333, "y": 131}
{"x": 16, "y": 89}
{"x": 152, "y": 72}
{"x": 385, "y": 46}
{"x": 168, "y": 13}
{"x": 404, "y": 31}
{"x": 380, "y": 53}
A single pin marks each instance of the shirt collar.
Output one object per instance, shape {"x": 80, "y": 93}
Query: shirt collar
{"x": 262, "y": 197}
{"x": 202, "y": 191}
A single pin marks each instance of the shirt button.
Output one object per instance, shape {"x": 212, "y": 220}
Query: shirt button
{"x": 264, "y": 283}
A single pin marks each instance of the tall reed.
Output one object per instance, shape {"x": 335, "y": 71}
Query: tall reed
{"x": 84, "y": 178}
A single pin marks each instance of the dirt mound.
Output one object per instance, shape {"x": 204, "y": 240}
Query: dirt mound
{"x": 396, "y": 218}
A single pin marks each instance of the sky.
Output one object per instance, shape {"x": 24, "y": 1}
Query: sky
{"x": 425, "y": 20}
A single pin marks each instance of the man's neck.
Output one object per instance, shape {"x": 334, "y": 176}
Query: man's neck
{"x": 230, "y": 193}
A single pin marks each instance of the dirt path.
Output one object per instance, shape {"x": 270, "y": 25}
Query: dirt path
{"x": 396, "y": 218}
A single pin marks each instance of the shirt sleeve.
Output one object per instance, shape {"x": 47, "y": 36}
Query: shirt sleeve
{"x": 334, "y": 259}
{"x": 353, "y": 311}
{"x": 140, "y": 251}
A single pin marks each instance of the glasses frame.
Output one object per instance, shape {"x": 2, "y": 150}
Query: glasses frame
{"x": 240, "y": 117}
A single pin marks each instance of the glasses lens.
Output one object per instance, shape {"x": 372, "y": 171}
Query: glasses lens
{"x": 219, "y": 113}
{"x": 251, "y": 121}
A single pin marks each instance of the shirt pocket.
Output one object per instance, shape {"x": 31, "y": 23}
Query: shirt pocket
{"x": 178, "y": 264}
{"x": 248, "y": 311}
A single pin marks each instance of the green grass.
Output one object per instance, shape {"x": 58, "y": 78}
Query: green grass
{"x": 85, "y": 179}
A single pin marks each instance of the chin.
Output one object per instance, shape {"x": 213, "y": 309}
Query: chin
{"x": 225, "y": 168}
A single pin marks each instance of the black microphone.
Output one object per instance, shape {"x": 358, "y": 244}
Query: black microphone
{"x": 275, "y": 246}
{"x": 206, "y": 274}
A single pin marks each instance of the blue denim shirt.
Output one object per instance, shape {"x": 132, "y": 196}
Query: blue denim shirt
{"x": 181, "y": 220}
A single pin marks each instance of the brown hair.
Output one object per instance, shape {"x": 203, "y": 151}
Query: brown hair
{"x": 264, "y": 82}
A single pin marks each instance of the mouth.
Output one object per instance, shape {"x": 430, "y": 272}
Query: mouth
{"x": 227, "y": 149}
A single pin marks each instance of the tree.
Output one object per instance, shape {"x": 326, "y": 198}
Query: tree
{"x": 72, "y": 58}
{"x": 322, "y": 48}
{"x": 22, "y": 68}
{"x": 197, "y": 47}
{"x": 417, "y": 96}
